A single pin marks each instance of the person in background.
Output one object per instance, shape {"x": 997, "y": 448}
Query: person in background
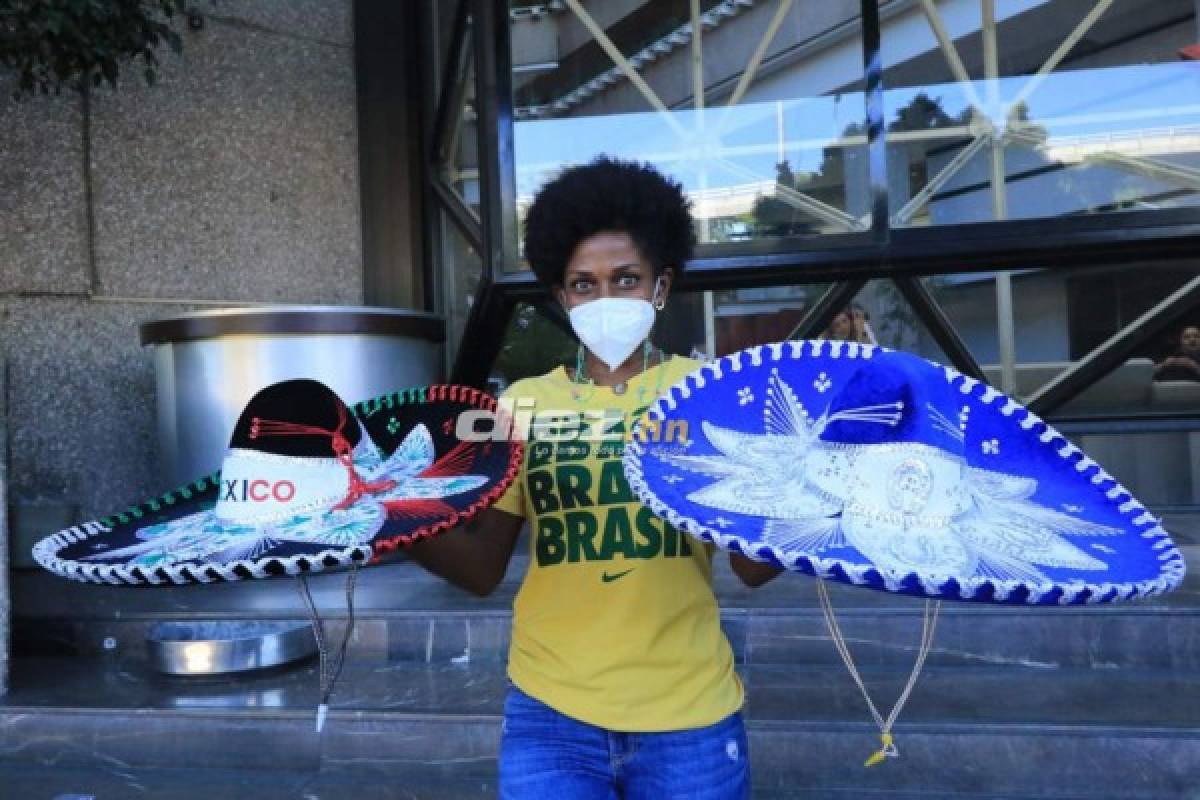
{"x": 850, "y": 325}
{"x": 622, "y": 680}
{"x": 1184, "y": 363}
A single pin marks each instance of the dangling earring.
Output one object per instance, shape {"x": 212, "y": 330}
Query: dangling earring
{"x": 580, "y": 380}
{"x": 659, "y": 303}
{"x": 579, "y": 365}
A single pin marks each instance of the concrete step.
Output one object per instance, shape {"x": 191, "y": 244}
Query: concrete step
{"x": 405, "y": 614}
{"x": 804, "y": 696}
{"x": 32, "y": 782}
{"x": 406, "y": 587}
{"x": 1040, "y": 640}
{"x": 967, "y": 731}
{"x": 349, "y": 782}
{"x": 327, "y": 781}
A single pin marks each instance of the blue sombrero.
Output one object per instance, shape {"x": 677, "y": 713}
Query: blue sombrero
{"x": 880, "y": 469}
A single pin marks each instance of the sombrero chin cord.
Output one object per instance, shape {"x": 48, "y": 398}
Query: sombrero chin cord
{"x": 928, "y": 626}
{"x": 329, "y": 673}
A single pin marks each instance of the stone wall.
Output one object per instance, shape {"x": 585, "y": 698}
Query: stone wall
{"x": 4, "y": 601}
{"x": 233, "y": 180}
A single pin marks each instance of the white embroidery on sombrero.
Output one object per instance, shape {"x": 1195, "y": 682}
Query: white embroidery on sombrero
{"x": 203, "y": 536}
{"x": 812, "y": 535}
{"x": 899, "y": 500}
{"x": 741, "y": 486}
{"x": 783, "y": 413}
{"x": 367, "y": 458}
{"x": 419, "y": 477}
{"x": 905, "y": 507}
{"x": 414, "y": 454}
{"x": 945, "y": 425}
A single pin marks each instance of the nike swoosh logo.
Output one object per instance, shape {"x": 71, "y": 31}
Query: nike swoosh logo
{"x": 610, "y": 578}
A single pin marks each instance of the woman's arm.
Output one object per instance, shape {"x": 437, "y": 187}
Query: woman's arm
{"x": 753, "y": 573}
{"x": 472, "y": 556}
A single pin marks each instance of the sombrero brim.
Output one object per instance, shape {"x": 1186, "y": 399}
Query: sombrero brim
{"x": 1137, "y": 556}
{"x": 363, "y": 534}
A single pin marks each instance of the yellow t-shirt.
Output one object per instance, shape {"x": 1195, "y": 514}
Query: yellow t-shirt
{"x": 616, "y": 623}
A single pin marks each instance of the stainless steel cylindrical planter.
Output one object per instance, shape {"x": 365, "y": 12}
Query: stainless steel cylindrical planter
{"x": 209, "y": 364}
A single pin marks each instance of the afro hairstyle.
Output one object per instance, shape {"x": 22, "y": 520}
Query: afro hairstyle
{"x": 608, "y": 195}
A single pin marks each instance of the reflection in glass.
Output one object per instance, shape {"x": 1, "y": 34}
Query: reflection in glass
{"x": 533, "y": 345}
{"x": 764, "y": 145}
{"x": 1160, "y": 469}
{"x": 1061, "y": 317}
{"x": 461, "y": 271}
{"x": 1084, "y": 108}
{"x": 461, "y": 171}
{"x": 748, "y": 317}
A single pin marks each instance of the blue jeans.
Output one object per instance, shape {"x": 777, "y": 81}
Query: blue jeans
{"x": 545, "y": 755}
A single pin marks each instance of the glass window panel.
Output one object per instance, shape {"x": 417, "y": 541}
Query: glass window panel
{"x": 461, "y": 168}
{"x": 748, "y": 317}
{"x": 533, "y": 345}
{"x": 461, "y": 271}
{"x": 680, "y": 326}
{"x": 461, "y": 172}
{"x": 1060, "y": 317}
{"x": 878, "y": 314}
{"x": 775, "y": 145}
{"x": 1091, "y": 110}
{"x": 887, "y": 319}
{"x": 1161, "y": 469}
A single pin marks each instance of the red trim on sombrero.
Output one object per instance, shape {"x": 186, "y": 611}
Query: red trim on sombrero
{"x": 418, "y": 507}
{"x": 486, "y": 402}
{"x": 454, "y": 462}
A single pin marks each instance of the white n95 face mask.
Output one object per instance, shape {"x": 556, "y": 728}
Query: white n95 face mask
{"x": 613, "y": 327}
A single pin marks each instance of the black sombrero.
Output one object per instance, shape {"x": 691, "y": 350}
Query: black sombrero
{"x": 307, "y": 485}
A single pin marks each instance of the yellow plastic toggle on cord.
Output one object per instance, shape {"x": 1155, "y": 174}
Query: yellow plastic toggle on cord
{"x": 887, "y": 751}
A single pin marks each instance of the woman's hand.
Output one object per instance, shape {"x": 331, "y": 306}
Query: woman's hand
{"x": 753, "y": 573}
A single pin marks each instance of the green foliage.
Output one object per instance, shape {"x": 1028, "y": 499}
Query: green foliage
{"x": 57, "y": 44}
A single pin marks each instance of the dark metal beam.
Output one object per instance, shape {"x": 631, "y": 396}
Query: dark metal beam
{"x": 449, "y": 109}
{"x": 390, "y": 79}
{"x": 835, "y": 299}
{"x": 1059, "y": 243}
{"x": 873, "y": 111}
{"x": 940, "y": 327}
{"x": 430, "y": 254}
{"x": 1113, "y": 353}
{"x": 497, "y": 172}
{"x": 462, "y": 215}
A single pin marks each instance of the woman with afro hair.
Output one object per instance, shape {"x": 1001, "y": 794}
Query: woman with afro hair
{"x": 622, "y": 681}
